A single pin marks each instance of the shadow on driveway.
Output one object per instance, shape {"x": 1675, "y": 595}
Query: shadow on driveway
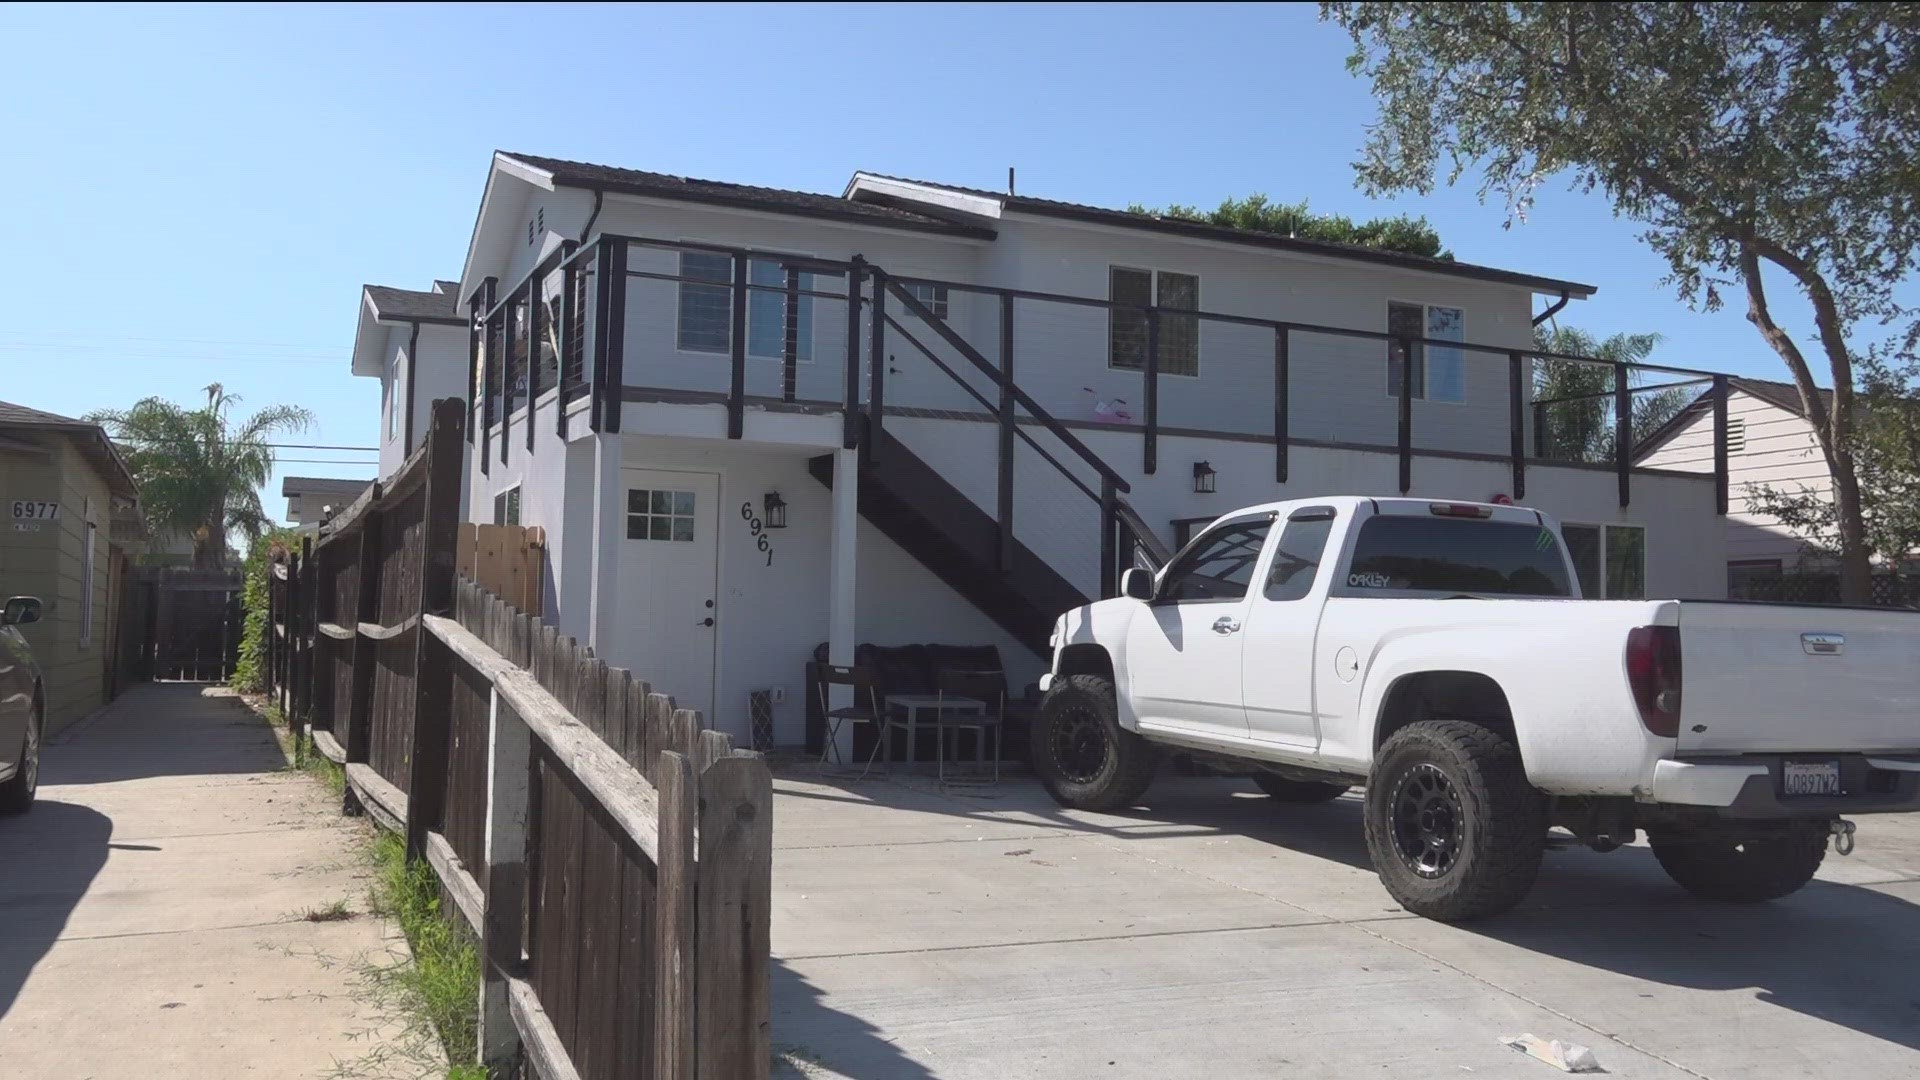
{"x": 48, "y": 859}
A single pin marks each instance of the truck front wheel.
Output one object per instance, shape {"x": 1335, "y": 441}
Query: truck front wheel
{"x": 1085, "y": 759}
{"x": 1742, "y": 869}
{"x": 1455, "y": 830}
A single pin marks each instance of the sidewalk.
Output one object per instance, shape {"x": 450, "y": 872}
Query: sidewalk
{"x": 152, "y": 907}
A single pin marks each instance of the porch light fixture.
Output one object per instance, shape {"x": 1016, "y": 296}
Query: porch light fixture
{"x": 775, "y": 511}
{"x": 1205, "y": 480}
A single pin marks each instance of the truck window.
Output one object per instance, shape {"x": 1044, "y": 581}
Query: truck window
{"x": 1297, "y": 557}
{"x": 1218, "y": 567}
{"x": 1456, "y": 555}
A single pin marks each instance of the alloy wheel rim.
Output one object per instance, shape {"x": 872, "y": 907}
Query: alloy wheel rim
{"x": 1428, "y": 821}
{"x": 1079, "y": 744}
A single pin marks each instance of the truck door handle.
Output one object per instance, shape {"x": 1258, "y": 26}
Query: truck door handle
{"x": 1225, "y": 625}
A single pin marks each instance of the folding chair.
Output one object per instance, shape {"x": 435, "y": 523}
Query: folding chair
{"x": 864, "y": 710}
{"x": 989, "y": 688}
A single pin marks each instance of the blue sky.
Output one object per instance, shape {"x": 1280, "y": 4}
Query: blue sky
{"x": 198, "y": 193}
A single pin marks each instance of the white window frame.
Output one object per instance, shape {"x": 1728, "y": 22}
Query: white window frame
{"x": 1601, "y": 527}
{"x": 393, "y": 403}
{"x": 507, "y": 503}
{"x": 1153, "y": 276}
{"x": 1426, "y": 307}
{"x": 682, "y": 282}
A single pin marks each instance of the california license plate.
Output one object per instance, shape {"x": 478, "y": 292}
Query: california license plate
{"x": 1810, "y": 778}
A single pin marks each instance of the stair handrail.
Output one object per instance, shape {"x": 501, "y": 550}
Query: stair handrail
{"x": 1143, "y": 535}
{"x": 1034, "y": 408}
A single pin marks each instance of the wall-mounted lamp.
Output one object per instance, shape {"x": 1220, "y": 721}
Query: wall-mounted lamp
{"x": 776, "y": 511}
{"x": 1205, "y": 480}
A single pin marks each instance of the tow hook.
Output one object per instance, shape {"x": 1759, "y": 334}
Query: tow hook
{"x": 1842, "y": 835}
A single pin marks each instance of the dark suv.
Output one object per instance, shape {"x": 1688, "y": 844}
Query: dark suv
{"x": 22, "y": 706}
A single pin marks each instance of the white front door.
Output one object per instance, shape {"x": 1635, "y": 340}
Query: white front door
{"x": 669, "y": 570}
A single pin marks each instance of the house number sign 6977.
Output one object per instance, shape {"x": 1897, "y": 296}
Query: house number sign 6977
{"x": 758, "y": 528}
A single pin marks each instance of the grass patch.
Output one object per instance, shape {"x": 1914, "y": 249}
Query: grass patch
{"x": 338, "y": 911}
{"x": 301, "y": 754}
{"x": 441, "y": 987}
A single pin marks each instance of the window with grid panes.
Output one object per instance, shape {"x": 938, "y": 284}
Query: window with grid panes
{"x": 1127, "y": 327}
{"x": 655, "y": 514}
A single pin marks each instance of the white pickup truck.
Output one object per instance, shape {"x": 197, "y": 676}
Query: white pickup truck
{"x": 1440, "y": 654}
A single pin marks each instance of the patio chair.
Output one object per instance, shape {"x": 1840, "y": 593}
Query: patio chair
{"x": 990, "y": 689}
{"x": 864, "y": 710}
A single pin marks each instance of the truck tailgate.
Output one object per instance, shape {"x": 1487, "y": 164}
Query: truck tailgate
{"x": 1782, "y": 677}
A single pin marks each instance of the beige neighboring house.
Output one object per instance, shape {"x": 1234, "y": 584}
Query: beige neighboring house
{"x": 309, "y": 497}
{"x": 73, "y": 517}
{"x": 1769, "y": 441}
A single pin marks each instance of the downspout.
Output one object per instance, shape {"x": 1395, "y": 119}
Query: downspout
{"x": 1554, "y": 308}
{"x": 598, "y": 197}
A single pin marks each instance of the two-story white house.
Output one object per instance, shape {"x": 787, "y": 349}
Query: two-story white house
{"x": 757, "y": 421}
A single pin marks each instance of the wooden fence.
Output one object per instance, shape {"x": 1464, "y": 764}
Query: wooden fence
{"x": 613, "y": 856}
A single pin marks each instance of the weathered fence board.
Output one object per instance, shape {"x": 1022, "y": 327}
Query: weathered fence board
{"x": 613, "y": 856}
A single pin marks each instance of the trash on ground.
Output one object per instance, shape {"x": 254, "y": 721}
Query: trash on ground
{"x": 1565, "y": 1056}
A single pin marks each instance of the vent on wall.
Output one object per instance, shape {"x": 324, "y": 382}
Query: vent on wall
{"x": 1736, "y": 435}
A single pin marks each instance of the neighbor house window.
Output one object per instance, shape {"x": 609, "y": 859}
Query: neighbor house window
{"x": 506, "y": 507}
{"x": 659, "y": 515}
{"x": 706, "y": 307}
{"x": 1439, "y": 372}
{"x": 1610, "y": 560}
{"x": 393, "y": 404}
{"x": 1127, "y": 326}
{"x": 1754, "y": 579}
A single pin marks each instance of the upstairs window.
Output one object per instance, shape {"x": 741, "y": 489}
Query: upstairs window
{"x": 1439, "y": 373}
{"x": 934, "y": 296}
{"x": 1127, "y": 326}
{"x": 706, "y": 307}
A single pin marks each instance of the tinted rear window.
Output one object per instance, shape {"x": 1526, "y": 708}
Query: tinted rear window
{"x": 1458, "y": 555}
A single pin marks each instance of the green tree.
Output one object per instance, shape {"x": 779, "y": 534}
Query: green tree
{"x": 1576, "y": 399}
{"x": 1256, "y": 213}
{"x": 1755, "y": 142}
{"x": 1887, "y": 453}
{"x": 200, "y": 474}
{"x": 249, "y": 672}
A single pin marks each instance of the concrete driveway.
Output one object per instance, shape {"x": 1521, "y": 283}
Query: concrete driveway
{"x": 990, "y": 936}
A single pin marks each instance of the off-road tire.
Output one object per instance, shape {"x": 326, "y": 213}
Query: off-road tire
{"x": 1742, "y": 869}
{"x": 1501, "y": 819}
{"x": 1085, "y": 759}
{"x": 1284, "y": 790}
{"x": 16, "y": 795}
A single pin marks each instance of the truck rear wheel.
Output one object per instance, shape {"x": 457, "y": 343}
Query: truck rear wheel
{"x": 1455, "y": 830}
{"x": 1742, "y": 869}
{"x": 1298, "y": 791}
{"x": 1085, "y": 759}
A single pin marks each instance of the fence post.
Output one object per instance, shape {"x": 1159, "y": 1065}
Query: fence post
{"x": 735, "y": 897}
{"x": 364, "y": 651}
{"x": 737, "y": 384}
{"x": 1150, "y": 442}
{"x": 432, "y": 663}
{"x": 272, "y": 629}
{"x": 1720, "y": 448}
{"x": 673, "y": 1025}
{"x": 850, "y": 430}
{"x": 1004, "y": 503}
{"x": 876, "y": 364}
{"x": 302, "y": 728}
{"x": 504, "y": 882}
{"x": 1109, "y": 541}
{"x": 1406, "y": 414}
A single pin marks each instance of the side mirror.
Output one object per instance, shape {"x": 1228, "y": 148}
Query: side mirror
{"x": 1137, "y": 583}
{"x": 20, "y": 611}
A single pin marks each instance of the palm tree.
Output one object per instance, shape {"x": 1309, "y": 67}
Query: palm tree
{"x": 1576, "y": 399}
{"x": 198, "y": 476}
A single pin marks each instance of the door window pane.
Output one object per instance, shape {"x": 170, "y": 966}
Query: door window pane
{"x": 767, "y": 313}
{"x": 706, "y": 311}
{"x": 1297, "y": 559}
{"x": 1127, "y": 327}
{"x": 1457, "y": 555}
{"x": 1626, "y": 562}
{"x": 1220, "y": 567}
{"x": 1179, "y": 334}
{"x": 1583, "y": 546}
{"x": 660, "y": 515}
{"x": 1406, "y": 321}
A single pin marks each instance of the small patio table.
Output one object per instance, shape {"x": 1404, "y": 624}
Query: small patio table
{"x": 913, "y": 704}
